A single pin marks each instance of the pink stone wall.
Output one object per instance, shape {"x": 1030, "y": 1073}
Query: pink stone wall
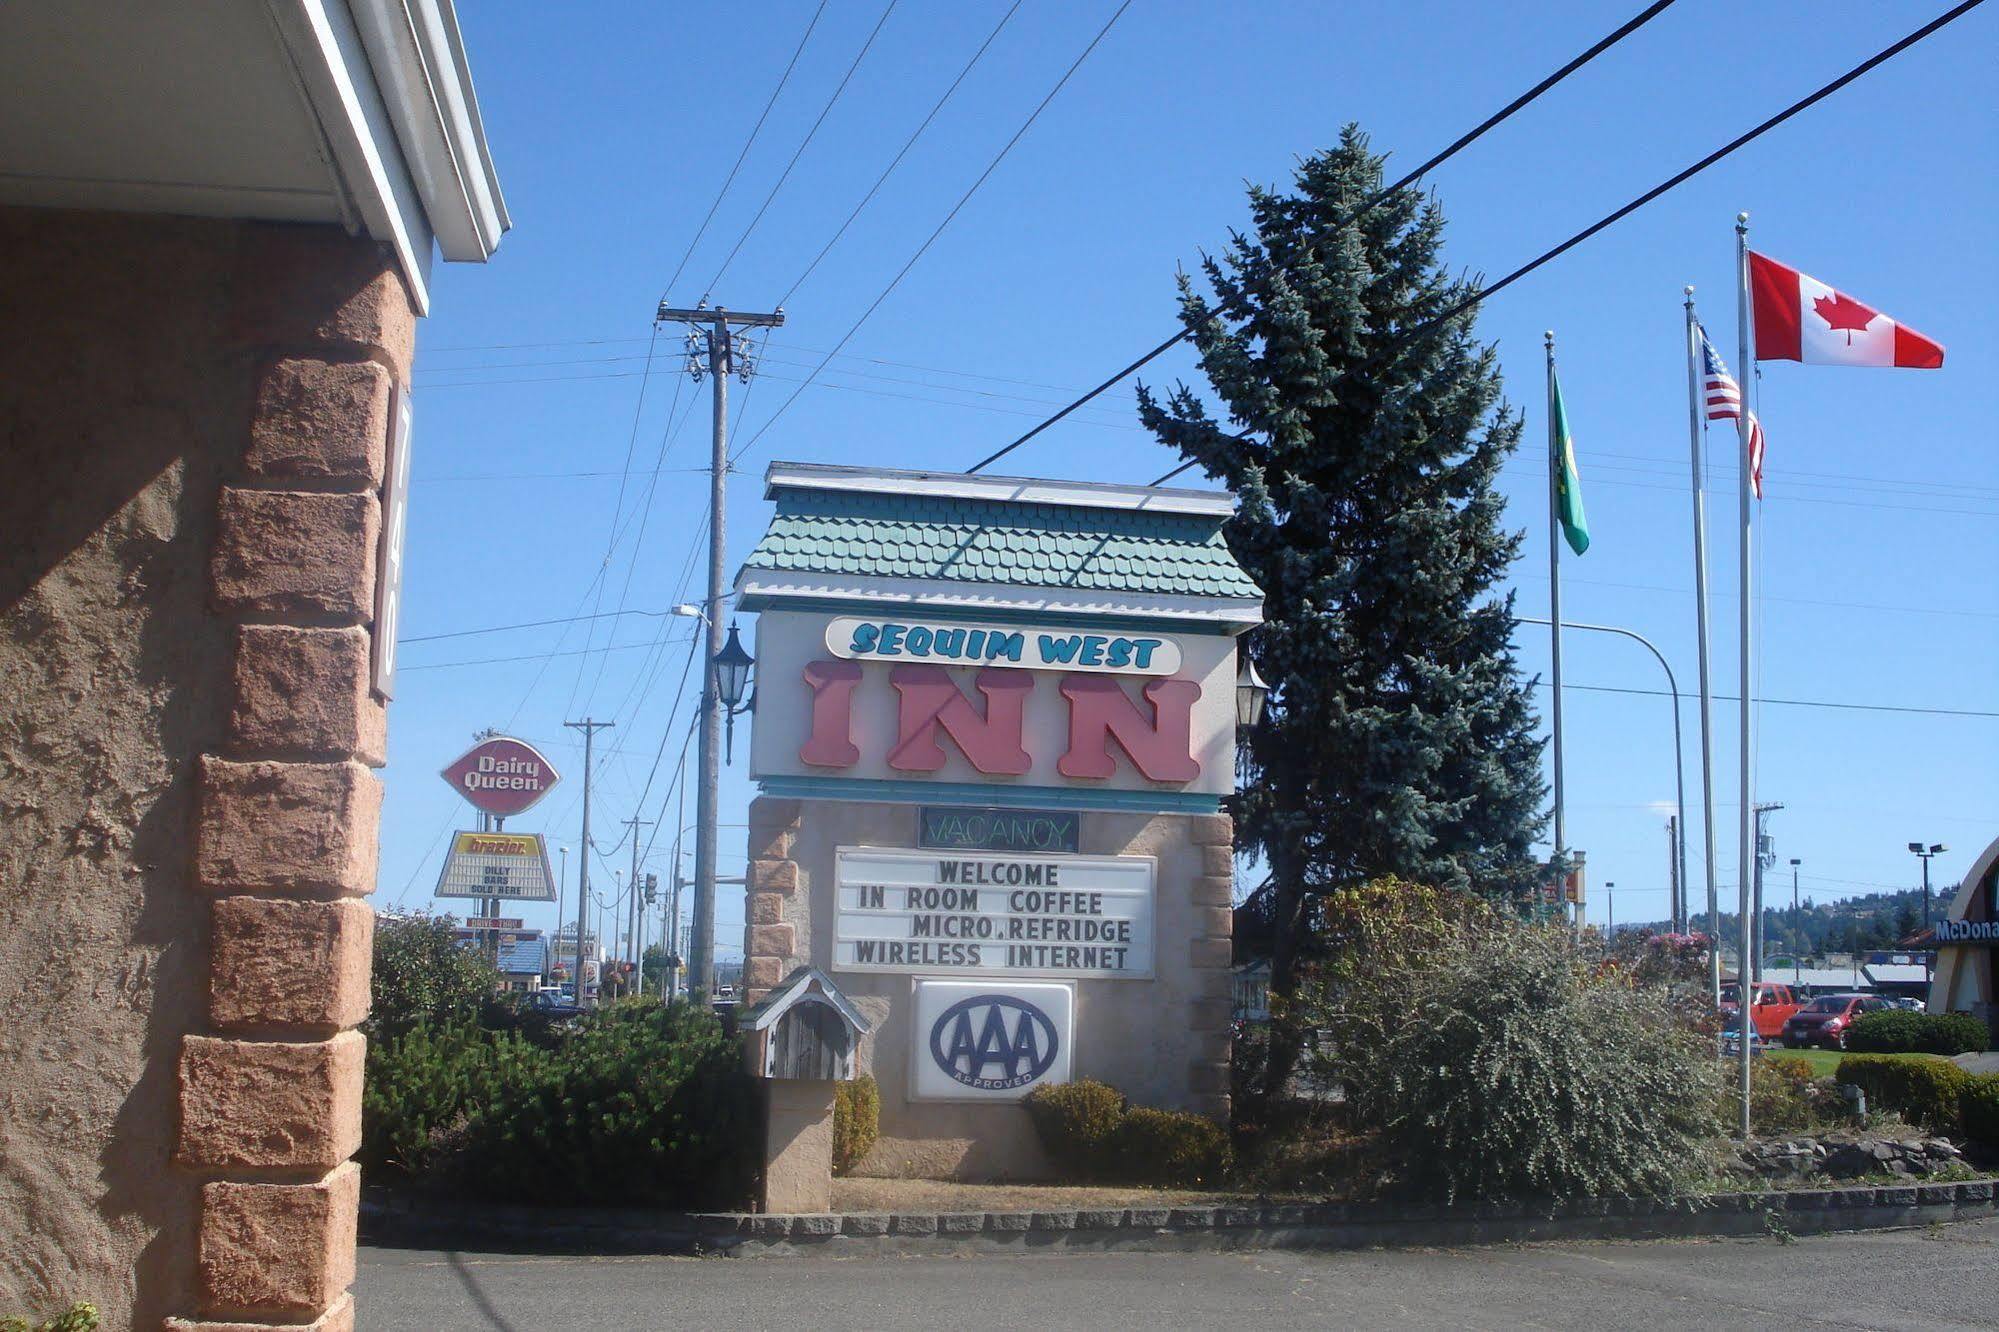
{"x": 191, "y": 418}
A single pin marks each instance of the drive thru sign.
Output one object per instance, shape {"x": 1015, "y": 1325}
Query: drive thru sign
{"x": 502, "y": 776}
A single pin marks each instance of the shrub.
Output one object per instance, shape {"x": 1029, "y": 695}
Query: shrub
{"x": 1501, "y": 1060}
{"x": 1166, "y": 1147}
{"x": 1784, "y": 1097}
{"x": 1903, "y": 1031}
{"x": 76, "y": 1318}
{"x": 635, "y": 1103}
{"x": 857, "y": 1108}
{"x": 1921, "y": 1089}
{"x": 1075, "y": 1121}
{"x": 1978, "y": 1109}
{"x": 422, "y": 975}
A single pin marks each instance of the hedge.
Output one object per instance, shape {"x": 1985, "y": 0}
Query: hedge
{"x": 1978, "y": 1109}
{"x": 1923, "y": 1090}
{"x": 857, "y": 1109}
{"x": 1091, "y": 1132}
{"x": 1903, "y": 1031}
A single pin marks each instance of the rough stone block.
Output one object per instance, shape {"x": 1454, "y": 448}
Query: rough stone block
{"x": 1210, "y": 891}
{"x": 1218, "y": 862}
{"x": 1211, "y": 830}
{"x": 299, "y": 554}
{"x": 912, "y": 1223}
{"x": 306, "y": 693}
{"x": 774, "y": 876}
{"x": 279, "y": 962}
{"x": 864, "y": 1223}
{"x": 1208, "y": 952}
{"x": 771, "y": 941}
{"x": 1052, "y": 1221}
{"x": 324, "y": 420}
{"x": 1238, "y": 1218}
{"x": 340, "y": 1318}
{"x": 766, "y": 909}
{"x": 1100, "y": 1219}
{"x": 1191, "y": 1218}
{"x": 300, "y": 826}
{"x": 960, "y": 1223}
{"x": 1896, "y": 1197}
{"x": 1148, "y": 1218}
{"x": 761, "y": 973}
{"x": 305, "y": 285}
{"x": 1206, "y": 1075}
{"x": 277, "y": 1248}
{"x": 814, "y": 1225}
{"x": 1003, "y": 1222}
{"x": 1975, "y": 1190}
{"x": 769, "y": 1227}
{"x": 269, "y": 1104}
{"x": 1214, "y": 922}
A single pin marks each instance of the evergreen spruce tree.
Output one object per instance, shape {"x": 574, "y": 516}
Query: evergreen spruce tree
{"x": 1362, "y": 440}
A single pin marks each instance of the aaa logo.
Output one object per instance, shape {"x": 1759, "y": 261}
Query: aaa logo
{"x": 993, "y": 1042}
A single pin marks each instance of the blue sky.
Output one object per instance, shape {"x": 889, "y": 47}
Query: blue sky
{"x": 613, "y": 127}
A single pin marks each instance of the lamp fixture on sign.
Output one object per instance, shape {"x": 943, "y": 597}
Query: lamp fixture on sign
{"x": 732, "y": 676}
{"x": 1250, "y": 695}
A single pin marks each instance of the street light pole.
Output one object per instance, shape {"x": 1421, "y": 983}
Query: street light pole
{"x": 1797, "y": 973}
{"x": 1610, "y": 907}
{"x": 1679, "y": 770}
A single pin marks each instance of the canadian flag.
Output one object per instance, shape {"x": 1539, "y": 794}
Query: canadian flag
{"x": 1799, "y": 318}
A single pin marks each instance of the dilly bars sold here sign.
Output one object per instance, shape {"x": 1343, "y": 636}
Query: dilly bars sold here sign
{"x": 502, "y": 776}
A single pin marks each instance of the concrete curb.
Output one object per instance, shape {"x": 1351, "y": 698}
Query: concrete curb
{"x": 406, "y": 1221}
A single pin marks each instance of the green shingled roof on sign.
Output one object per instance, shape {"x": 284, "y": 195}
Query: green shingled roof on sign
{"x": 983, "y": 541}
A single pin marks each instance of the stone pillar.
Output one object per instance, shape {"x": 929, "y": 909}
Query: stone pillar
{"x": 1210, "y": 949}
{"x": 270, "y": 1095}
{"x": 798, "y": 1146}
{"x": 772, "y": 931}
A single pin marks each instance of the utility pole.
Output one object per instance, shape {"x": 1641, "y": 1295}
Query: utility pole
{"x": 589, "y": 727}
{"x": 1797, "y": 963}
{"x": 632, "y": 914}
{"x": 717, "y": 327}
{"x": 1676, "y": 908}
{"x": 1764, "y": 858}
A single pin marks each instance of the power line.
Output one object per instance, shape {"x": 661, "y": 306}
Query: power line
{"x": 755, "y": 130}
{"x": 524, "y": 624}
{"x": 963, "y": 199}
{"x": 528, "y": 656}
{"x": 785, "y": 175}
{"x": 903, "y": 152}
{"x": 1465, "y": 140}
{"x": 1669, "y": 183}
{"x": 1787, "y": 702}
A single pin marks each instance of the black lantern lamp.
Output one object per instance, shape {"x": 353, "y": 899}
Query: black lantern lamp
{"x": 732, "y": 677}
{"x": 1250, "y": 695}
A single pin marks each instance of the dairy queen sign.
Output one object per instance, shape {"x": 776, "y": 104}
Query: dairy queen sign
{"x": 994, "y": 722}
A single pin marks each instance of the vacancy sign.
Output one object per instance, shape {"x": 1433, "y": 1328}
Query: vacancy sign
{"x": 502, "y": 776}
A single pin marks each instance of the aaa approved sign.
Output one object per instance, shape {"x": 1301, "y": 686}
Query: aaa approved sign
{"x": 507, "y": 865}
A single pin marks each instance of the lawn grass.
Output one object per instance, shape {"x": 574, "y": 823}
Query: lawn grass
{"x": 1825, "y": 1063}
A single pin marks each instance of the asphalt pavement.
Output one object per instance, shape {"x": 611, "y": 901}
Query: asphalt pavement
{"x": 1935, "y": 1278}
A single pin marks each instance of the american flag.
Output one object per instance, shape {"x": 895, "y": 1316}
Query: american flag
{"x": 1724, "y": 403}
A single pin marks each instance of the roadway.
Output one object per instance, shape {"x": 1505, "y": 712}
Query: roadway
{"x": 1930, "y": 1279}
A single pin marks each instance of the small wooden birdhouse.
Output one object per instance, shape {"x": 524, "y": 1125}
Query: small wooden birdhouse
{"x": 805, "y": 1030}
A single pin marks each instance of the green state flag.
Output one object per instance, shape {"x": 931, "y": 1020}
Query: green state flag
{"x": 1568, "y": 485}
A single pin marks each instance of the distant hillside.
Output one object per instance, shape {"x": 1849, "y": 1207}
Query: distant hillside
{"x": 1852, "y": 924}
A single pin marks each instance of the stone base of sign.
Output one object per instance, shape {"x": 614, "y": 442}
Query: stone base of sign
{"x": 798, "y": 1145}
{"x": 1164, "y": 1042}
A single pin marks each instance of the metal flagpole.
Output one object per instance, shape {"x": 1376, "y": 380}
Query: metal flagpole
{"x": 1555, "y": 604}
{"x": 1696, "y": 382}
{"x": 1745, "y": 512}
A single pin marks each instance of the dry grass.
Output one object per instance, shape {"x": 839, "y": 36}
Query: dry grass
{"x": 941, "y": 1195}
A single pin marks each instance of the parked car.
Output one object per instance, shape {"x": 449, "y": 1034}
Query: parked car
{"x": 555, "y": 1003}
{"x": 1827, "y": 1019}
{"x": 1772, "y": 1007}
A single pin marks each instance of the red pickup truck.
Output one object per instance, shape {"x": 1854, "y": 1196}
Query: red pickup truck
{"x": 1772, "y": 1007}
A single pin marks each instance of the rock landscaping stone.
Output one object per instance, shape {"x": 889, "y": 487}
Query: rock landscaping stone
{"x": 961, "y": 1223}
{"x": 906, "y": 1223}
{"x": 1148, "y": 1218}
{"x": 864, "y": 1223}
{"x": 1100, "y": 1219}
